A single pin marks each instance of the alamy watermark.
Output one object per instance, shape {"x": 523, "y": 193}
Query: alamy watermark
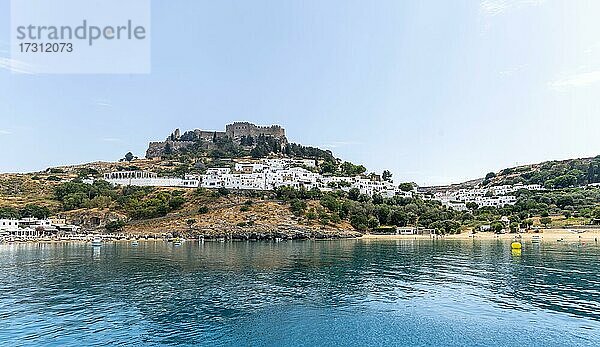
{"x": 80, "y": 36}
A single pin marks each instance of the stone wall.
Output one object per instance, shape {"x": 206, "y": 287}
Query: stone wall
{"x": 235, "y": 131}
{"x": 239, "y": 129}
{"x": 208, "y": 135}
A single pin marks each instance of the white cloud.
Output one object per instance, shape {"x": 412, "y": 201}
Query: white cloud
{"x": 103, "y": 103}
{"x": 17, "y": 66}
{"x": 498, "y": 7}
{"x": 5, "y": 132}
{"x": 574, "y": 81}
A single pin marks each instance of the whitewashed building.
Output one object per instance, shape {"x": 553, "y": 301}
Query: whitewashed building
{"x": 7, "y": 225}
{"x": 496, "y": 196}
{"x": 265, "y": 174}
{"x": 149, "y": 179}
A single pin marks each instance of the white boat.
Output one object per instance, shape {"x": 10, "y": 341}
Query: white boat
{"x": 536, "y": 238}
{"x": 177, "y": 242}
{"x": 135, "y": 243}
{"x": 97, "y": 241}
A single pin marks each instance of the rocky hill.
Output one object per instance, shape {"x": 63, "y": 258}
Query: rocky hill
{"x": 283, "y": 213}
{"x": 245, "y": 135}
{"x": 59, "y": 191}
{"x": 554, "y": 174}
{"x": 550, "y": 174}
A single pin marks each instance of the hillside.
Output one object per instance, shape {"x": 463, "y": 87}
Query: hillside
{"x": 549, "y": 174}
{"x": 59, "y": 191}
{"x": 283, "y": 212}
{"x": 554, "y": 174}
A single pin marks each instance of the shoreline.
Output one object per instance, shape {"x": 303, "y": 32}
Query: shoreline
{"x": 556, "y": 235}
{"x": 544, "y": 235}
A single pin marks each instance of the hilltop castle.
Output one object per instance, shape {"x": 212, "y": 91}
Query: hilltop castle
{"x": 235, "y": 131}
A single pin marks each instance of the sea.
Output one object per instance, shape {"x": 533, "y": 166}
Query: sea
{"x": 352, "y": 292}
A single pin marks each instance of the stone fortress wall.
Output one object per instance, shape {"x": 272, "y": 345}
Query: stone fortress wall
{"x": 234, "y": 131}
{"x": 239, "y": 129}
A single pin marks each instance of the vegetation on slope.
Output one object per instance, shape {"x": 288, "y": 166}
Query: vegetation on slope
{"x": 136, "y": 202}
{"x": 202, "y": 154}
{"x": 550, "y": 174}
{"x": 574, "y": 206}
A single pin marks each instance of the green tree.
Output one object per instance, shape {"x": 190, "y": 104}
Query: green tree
{"x": 472, "y": 205}
{"x": 373, "y": 222}
{"x": 9, "y": 213}
{"x": 490, "y": 175}
{"x": 359, "y": 221}
{"x": 114, "y": 226}
{"x": 222, "y": 191}
{"x": 298, "y": 207}
{"x": 514, "y": 227}
{"x": 386, "y": 175}
{"x": 35, "y": 211}
{"x": 406, "y": 187}
{"x": 377, "y": 199}
{"x": 129, "y": 156}
{"x": 354, "y": 194}
{"x": 545, "y": 221}
{"x": 497, "y": 227}
{"x": 328, "y": 167}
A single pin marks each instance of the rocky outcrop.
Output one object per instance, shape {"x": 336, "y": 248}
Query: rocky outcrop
{"x": 235, "y": 131}
{"x": 159, "y": 149}
{"x": 92, "y": 219}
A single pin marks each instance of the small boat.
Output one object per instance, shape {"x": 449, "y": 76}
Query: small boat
{"x": 135, "y": 243}
{"x": 177, "y": 242}
{"x": 536, "y": 238}
{"x": 516, "y": 245}
{"x": 97, "y": 241}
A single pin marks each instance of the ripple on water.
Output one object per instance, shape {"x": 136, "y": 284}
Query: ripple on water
{"x": 342, "y": 292}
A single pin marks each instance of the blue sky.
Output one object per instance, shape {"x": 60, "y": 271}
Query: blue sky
{"x": 435, "y": 91}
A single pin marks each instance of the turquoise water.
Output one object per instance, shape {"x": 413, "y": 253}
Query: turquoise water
{"x": 304, "y": 293}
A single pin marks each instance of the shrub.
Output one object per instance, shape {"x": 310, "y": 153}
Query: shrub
{"x": 114, "y": 226}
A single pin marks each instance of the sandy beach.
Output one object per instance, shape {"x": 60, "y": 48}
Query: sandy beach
{"x": 545, "y": 235}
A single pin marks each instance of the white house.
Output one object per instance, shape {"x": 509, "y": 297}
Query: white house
{"x": 149, "y": 179}
{"x": 8, "y": 225}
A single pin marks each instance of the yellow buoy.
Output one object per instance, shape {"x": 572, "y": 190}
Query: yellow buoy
{"x": 515, "y": 245}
